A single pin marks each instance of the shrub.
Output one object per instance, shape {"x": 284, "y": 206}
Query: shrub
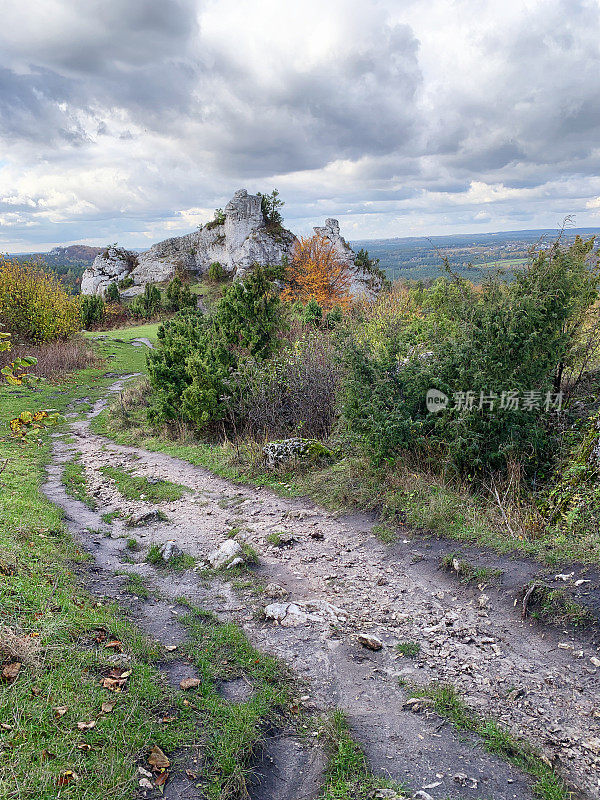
{"x": 178, "y": 296}
{"x": 518, "y": 337}
{"x": 34, "y": 304}
{"x": 126, "y": 283}
{"x": 196, "y": 354}
{"x": 317, "y": 271}
{"x": 270, "y": 205}
{"x": 216, "y": 272}
{"x": 219, "y": 219}
{"x": 92, "y": 310}
{"x": 111, "y": 295}
{"x": 313, "y": 313}
{"x": 147, "y": 304}
{"x": 295, "y": 391}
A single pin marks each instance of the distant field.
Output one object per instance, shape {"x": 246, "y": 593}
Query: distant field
{"x": 421, "y": 258}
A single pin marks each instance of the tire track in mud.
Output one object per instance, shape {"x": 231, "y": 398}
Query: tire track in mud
{"x": 343, "y": 581}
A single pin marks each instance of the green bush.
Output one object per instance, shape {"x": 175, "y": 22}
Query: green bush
{"x": 92, "y": 310}
{"x": 178, "y": 296}
{"x": 147, "y": 304}
{"x": 520, "y": 337}
{"x": 216, "y": 272}
{"x": 196, "y": 355}
{"x": 111, "y": 295}
{"x": 313, "y": 313}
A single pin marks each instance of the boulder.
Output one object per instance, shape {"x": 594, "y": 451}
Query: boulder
{"x": 283, "y": 450}
{"x": 111, "y": 266}
{"x": 225, "y": 554}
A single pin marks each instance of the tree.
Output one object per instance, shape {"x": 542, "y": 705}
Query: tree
{"x": 317, "y": 271}
{"x": 270, "y": 205}
{"x": 147, "y": 304}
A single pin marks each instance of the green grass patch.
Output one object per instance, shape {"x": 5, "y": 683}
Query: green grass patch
{"x": 136, "y": 585}
{"x": 233, "y": 731}
{"x": 468, "y": 572}
{"x": 347, "y": 776}
{"x": 385, "y": 533}
{"x": 136, "y": 487}
{"x": 544, "y": 603}
{"x": 109, "y": 516}
{"x": 447, "y": 703}
{"x": 178, "y": 562}
{"x": 75, "y": 483}
{"x": 408, "y": 649}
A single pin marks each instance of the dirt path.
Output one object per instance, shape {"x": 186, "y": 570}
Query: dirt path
{"x": 539, "y": 682}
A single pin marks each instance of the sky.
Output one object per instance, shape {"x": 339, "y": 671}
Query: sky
{"x": 130, "y": 121}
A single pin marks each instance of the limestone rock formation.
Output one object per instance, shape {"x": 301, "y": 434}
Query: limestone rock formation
{"x": 362, "y": 283}
{"x": 242, "y": 238}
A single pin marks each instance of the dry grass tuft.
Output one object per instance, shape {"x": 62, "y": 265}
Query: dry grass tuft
{"x": 18, "y": 647}
{"x": 55, "y": 359}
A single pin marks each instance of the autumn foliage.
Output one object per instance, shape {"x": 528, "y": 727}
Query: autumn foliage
{"x": 33, "y": 303}
{"x": 317, "y": 271}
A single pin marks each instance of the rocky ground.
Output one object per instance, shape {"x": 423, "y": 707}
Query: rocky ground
{"x": 324, "y": 593}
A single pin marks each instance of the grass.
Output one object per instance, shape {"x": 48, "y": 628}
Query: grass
{"x": 447, "y": 703}
{"x": 408, "y": 649}
{"x": 146, "y": 331}
{"x": 385, "y": 533}
{"x": 109, "y": 516}
{"x": 275, "y": 538}
{"x": 347, "y": 776}
{"x": 136, "y": 585}
{"x": 132, "y": 544}
{"x": 136, "y": 487}
{"x": 554, "y": 605}
{"x": 470, "y": 573}
{"x": 178, "y": 562}
{"x": 75, "y": 483}
{"x": 233, "y": 732}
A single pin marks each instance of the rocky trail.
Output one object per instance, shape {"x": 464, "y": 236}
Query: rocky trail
{"x": 324, "y": 592}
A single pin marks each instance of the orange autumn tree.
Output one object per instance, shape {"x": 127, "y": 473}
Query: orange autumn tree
{"x": 317, "y": 270}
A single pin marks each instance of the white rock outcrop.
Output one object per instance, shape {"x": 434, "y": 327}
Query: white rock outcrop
{"x": 239, "y": 241}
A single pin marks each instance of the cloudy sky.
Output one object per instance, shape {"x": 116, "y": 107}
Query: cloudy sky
{"x": 131, "y": 120}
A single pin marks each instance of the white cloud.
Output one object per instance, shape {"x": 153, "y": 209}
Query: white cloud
{"x": 132, "y": 119}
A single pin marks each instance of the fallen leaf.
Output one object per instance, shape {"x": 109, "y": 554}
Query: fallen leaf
{"x": 170, "y": 647}
{"x": 83, "y": 746}
{"x": 157, "y": 759}
{"x": 115, "y": 644}
{"x": 107, "y": 707}
{"x": 191, "y": 775}
{"x": 85, "y": 726}
{"x": 168, "y": 719}
{"x": 189, "y": 683}
{"x": 161, "y": 779}
{"x": 66, "y": 778}
{"x": 60, "y": 711}
{"x": 10, "y": 671}
{"x": 6, "y": 726}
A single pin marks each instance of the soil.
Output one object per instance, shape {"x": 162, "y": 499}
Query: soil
{"x": 537, "y": 680}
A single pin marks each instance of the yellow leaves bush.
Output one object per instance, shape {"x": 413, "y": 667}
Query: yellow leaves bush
{"x": 34, "y": 304}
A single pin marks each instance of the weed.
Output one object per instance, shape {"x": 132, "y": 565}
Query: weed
{"x": 275, "y": 538}
{"x": 109, "y": 516}
{"x": 385, "y": 533}
{"x": 408, "y": 649}
{"x": 136, "y": 585}
{"x": 178, "y": 561}
{"x": 544, "y": 603}
{"x": 133, "y": 544}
